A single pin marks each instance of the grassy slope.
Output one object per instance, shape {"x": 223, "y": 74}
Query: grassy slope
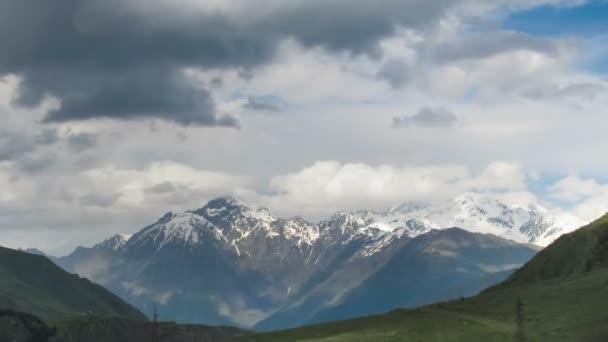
{"x": 34, "y": 284}
{"x": 17, "y": 327}
{"x": 564, "y": 291}
{"x": 572, "y": 254}
{"x": 95, "y": 329}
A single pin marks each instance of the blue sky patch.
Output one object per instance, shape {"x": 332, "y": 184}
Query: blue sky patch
{"x": 588, "y": 19}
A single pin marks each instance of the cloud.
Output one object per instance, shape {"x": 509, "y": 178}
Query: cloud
{"x": 158, "y": 296}
{"x": 126, "y": 59}
{"x": 13, "y": 146}
{"x": 102, "y": 200}
{"x": 427, "y": 117}
{"x": 358, "y": 29}
{"x": 582, "y": 90}
{"x": 105, "y": 197}
{"x": 48, "y": 136}
{"x": 79, "y": 142}
{"x": 238, "y": 311}
{"x": 588, "y": 197}
{"x": 261, "y": 104}
{"x": 395, "y": 72}
{"x": 487, "y": 44}
{"x": 162, "y": 188}
{"x": 103, "y": 67}
{"x": 36, "y": 163}
{"x": 328, "y": 186}
{"x": 123, "y": 94}
{"x": 573, "y": 189}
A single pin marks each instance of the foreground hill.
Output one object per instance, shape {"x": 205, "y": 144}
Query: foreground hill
{"x": 34, "y": 284}
{"x": 96, "y": 329}
{"x": 573, "y": 254}
{"x": 22, "y": 327}
{"x": 560, "y": 295}
{"x": 230, "y": 264}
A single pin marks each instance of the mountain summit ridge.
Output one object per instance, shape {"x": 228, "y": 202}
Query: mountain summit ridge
{"x": 524, "y": 223}
{"x": 229, "y": 263}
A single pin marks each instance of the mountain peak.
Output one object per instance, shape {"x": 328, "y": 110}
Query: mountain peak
{"x": 225, "y": 206}
{"x": 115, "y": 242}
{"x": 225, "y": 201}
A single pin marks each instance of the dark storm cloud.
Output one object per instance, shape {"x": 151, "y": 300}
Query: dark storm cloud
{"x": 101, "y": 62}
{"x": 113, "y": 59}
{"x": 354, "y": 26}
{"x": 427, "y": 117}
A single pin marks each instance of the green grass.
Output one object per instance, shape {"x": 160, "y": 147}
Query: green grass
{"x": 572, "y": 254}
{"x": 91, "y": 328}
{"x": 22, "y": 327}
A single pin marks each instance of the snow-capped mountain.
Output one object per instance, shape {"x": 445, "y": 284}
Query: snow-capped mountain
{"x": 114, "y": 242}
{"x": 235, "y": 224}
{"x": 229, "y": 263}
{"x": 524, "y": 223}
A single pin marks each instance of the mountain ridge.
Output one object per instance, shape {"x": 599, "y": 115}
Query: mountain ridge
{"x": 559, "y": 295}
{"x": 524, "y": 223}
{"x": 227, "y": 263}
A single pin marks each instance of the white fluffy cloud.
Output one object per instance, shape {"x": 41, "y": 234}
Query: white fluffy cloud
{"x": 328, "y": 186}
{"x": 588, "y": 196}
{"x": 517, "y": 98}
{"x": 88, "y": 206}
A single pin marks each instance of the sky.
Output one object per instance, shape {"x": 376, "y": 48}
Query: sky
{"x": 113, "y": 113}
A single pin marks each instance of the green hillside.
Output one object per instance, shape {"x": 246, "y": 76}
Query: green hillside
{"x": 96, "y": 329}
{"x": 22, "y": 327}
{"x": 572, "y": 254}
{"x": 563, "y": 294}
{"x": 34, "y": 284}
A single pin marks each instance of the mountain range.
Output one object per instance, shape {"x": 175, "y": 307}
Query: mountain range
{"x": 228, "y": 263}
{"x": 559, "y": 295}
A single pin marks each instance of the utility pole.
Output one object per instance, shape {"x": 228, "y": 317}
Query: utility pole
{"x": 155, "y": 336}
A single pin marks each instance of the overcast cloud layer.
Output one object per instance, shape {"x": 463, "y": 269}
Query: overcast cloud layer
{"x": 115, "y": 112}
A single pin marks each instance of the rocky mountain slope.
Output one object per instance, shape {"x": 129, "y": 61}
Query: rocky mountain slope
{"x": 559, "y": 295}
{"x": 228, "y": 263}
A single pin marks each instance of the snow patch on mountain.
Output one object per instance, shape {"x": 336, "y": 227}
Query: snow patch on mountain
{"x": 114, "y": 242}
{"x": 237, "y": 225}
